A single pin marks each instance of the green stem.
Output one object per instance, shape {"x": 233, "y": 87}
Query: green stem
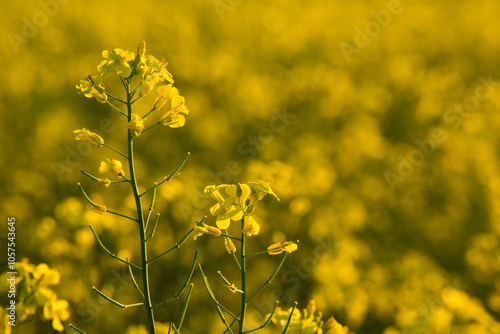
{"x": 120, "y": 215}
{"x": 273, "y": 275}
{"x": 152, "y": 126}
{"x": 112, "y": 149}
{"x": 267, "y": 321}
{"x": 168, "y": 178}
{"x": 109, "y": 253}
{"x": 114, "y": 97}
{"x": 289, "y": 318}
{"x": 184, "y": 309}
{"x": 152, "y": 234}
{"x": 230, "y": 236}
{"x": 179, "y": 244}
{"x": 89, "y": 175}
{"x": 179, "y": 293}
{"x": 151, "y": 207}
{"x": 114, "y": 107}
{"x": 236, "y": 260}
{"x": 256, "y": 253}
{"x": 111, "y": 300}
{"x": 149, "y": 112}
{"x": 132, "y": 93}
{"x": 76, "y": 329}
{"x": 142, "y": 231}
{"x": 133, "y": 280}
{"x": 217, "y": 304}
{"x": 243, "y": 279}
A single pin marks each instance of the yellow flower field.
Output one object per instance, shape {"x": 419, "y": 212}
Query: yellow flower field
{"x": 360, "y": 136}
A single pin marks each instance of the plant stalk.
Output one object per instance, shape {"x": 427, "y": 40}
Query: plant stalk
{"x": 243, "y": 281}
{"x": 140, "y": 219}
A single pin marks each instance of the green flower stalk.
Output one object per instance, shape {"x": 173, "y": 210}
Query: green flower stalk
{"x": 144, "y": 71}
{"x": 235, "y": 203}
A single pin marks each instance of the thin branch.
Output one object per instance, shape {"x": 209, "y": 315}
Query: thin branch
{"x": 179, "y": 244}
{"x": 179, "y": 293}
{"x": 289, "y": 318}
{"x": 133, "y": 279}
{"x": 256, "y": 253}
{"x": 169, "y": 177}
{"x": 90, "y": 175}
{"x": 270, "y": 278}
{"x": 183, "y": 314}
{"x": 132, "y": 93}
{"x": 230, "y": 236}
{"x": 217, "y": 305}
{"x": 76, "y": 329}
{"x": 152, "y": 234}
{"x": 114, "y": 107}
{"x": 95, "y": 205}
{"x": 111, "y": 254}
{"x": 114, "y": 97}
{"x": 149, "y": 112}
{"x": 151, "y": 207}
{"x": 152, "y": 126}
{"x": 108, "y": 298}
{"x": 237, "y": 261}
{"x": 267, "y": 321}
{"x": 121, "y": 215}
{"x": 172, "y": 326}
{"x": 116, "y": 151}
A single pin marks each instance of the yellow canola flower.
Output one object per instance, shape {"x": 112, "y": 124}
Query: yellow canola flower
{"x": 92, "y": 86}
{"x": 116, "y": 61}
{"x": 153, "y": 71}
{"x": 232, "y": 206}
{"x": 165, "y": 94}
{"x": 136, "y": 125}
{"x": 92, "y": 137}
{"x": 204, "y": 228}
{"x": 262, "y": 188}
{"x": 250, "y": 226}
{"x": 111, "y": 166}
{"x": 45, "y": 275}
{"x": 225, "y": 213}
{"x": 174, "y": 117}
{"x": 151, "y": 65}
{"x": 240, "y": 191}
{"x": 280, "y": 247}
{"x": 56, "y": 310}
{"x": 331, "y": 326}
{"x": 100, "y": 209}
{"x": 213, "y": 192}
{"x": 148, "y": 84}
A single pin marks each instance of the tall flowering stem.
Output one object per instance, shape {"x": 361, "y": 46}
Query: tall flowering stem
{"x": 140, "y": 218}
{"x": 150, "y": 72}
{"x": 235, "y": 203}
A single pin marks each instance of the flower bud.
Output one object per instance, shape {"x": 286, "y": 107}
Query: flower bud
{"x": 103, "y": 182}
{"x": 230, "y": 247}
{"x": 100, "y": 209}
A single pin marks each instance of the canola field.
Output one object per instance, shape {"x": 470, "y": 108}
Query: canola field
{"x": 377, "y": 122}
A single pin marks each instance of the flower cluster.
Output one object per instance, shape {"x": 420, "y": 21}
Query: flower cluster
{"x": 150, "y": 72}
{"x": 147, "y": 71}
{"x": 35, "y": 299}
{"x": 307, "y": 321}
{"x": 233, "y": 202}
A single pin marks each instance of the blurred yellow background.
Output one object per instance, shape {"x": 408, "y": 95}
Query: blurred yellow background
{"x": 378, "y": 122}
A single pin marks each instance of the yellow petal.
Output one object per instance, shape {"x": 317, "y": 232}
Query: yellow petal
{"x": 223, "y": 223}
